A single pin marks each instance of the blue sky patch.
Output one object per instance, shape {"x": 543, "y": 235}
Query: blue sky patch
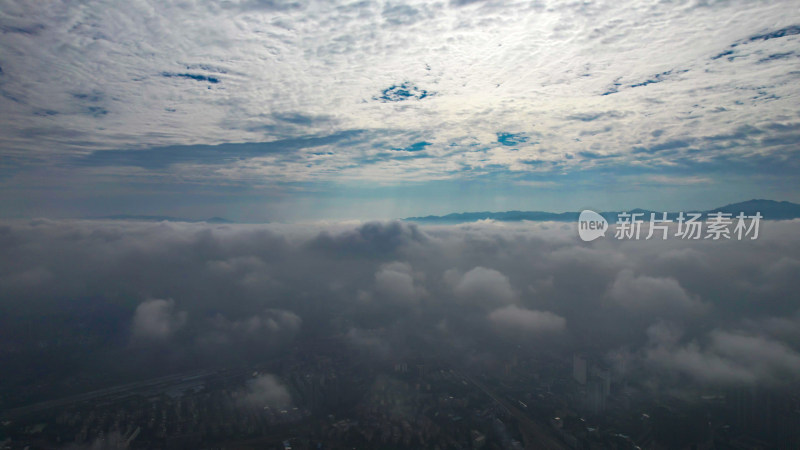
{"x": 511, "y": 139}
{"x": 191, "y": 76}
{"x": 402, "y": 92}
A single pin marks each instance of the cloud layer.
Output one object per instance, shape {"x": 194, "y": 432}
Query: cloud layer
{"x": 263, "y": 94}
{"x": 189, "y": 294}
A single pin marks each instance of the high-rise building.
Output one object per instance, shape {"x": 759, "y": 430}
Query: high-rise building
{"x": 603, "y": 375}
{"x": 579, "y": 368}
{"x": 595, "y": 396}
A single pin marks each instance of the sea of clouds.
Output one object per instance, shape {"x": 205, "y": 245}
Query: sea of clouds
{"x": 712, "y": 312}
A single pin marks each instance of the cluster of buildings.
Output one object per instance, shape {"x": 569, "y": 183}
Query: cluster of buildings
{"x": 339, "y": 401}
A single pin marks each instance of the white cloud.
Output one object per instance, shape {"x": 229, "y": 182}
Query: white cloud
{"x": 110, "y": 75}
{"x": 482, "y": 285}
{"x": 265, "y": 390}
{"x": 727, "y": 357}
{"x": 157, "y": 319}
{"x": 652, "y": 294}
{"x": 262, "y": 326}
{"x": 516, "y": 319}
{"x": 395, "y": 282}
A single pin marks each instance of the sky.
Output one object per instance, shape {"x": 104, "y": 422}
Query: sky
{"x": 262, "y": 110}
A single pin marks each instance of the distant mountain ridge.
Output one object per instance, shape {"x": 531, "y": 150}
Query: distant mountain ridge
{"x": 145, "y": 218}
{"x": 769, "y": 209}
